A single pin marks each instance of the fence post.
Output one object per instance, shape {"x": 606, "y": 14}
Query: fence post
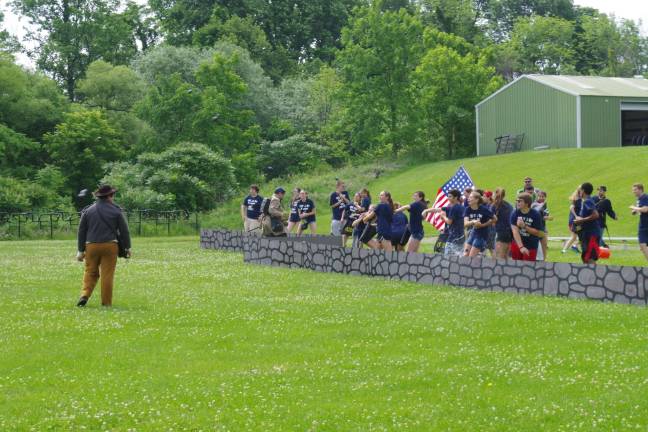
{"x": 51, "y": 226}
{"x": 197, "y": 226}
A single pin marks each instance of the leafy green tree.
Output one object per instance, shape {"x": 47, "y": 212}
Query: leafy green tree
{"x": 501, "y": 15}
{"x": 162, "y": 61}
{"x": 208, "y": 112}
{"x": 29, "y": 102}
{"x": 19, "y": 156}
{"x": 115, "y": 90}
{"x": 8, "y": 43}
{"x": 543, "y": 45}
{"x": 448, "y": 86}
{"x": 381, "y": 50}
{"x": 81, "y": 146}
{"x": 305, "y": 29}
{"x": 259, "y": 95}
{"x": 458, "y": 17}
{"x": 72, "y": 34}
{"x": 604, "y": 47}
{"x": 111, "y": 88}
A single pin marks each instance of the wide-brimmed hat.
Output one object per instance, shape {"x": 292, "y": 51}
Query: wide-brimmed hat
{"x": 104, "y": 190}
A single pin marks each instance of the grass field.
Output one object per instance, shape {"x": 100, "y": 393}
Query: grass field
{"x": 558, "y": 172}
{"x": 197, "y": 340}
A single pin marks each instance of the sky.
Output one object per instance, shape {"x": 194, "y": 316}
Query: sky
{"x": 636, "y": 10}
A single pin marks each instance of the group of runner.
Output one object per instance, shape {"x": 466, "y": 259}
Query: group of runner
{"x": 477, "y": 222}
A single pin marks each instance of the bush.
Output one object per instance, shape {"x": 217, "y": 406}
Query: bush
{"x": 293, "y": 155}
{"x": 187, "y": 176}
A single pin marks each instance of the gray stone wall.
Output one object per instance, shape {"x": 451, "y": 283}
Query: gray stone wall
{"x": 596, "y": 282}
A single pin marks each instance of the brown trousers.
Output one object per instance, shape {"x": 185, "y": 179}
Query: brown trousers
{"x": 100, "y": 260}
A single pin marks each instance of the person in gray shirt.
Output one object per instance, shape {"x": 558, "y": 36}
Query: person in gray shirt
{"x": 97, "y": 244}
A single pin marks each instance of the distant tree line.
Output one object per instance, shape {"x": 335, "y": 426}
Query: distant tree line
{"x": 181, "y": 102}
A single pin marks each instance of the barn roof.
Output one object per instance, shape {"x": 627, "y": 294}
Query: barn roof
{"x": 587, "y": 85}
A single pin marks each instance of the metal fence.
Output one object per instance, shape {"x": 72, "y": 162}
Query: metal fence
{"x": 48, "y": 223}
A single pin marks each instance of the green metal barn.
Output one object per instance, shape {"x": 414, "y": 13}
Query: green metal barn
{"x": 545, "y": 111}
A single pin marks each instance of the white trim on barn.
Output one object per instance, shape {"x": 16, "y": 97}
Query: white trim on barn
{"x": 477, "y": 127}
{"x": 579, "y": 130}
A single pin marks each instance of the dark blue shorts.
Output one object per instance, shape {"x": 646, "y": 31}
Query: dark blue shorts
{"x": 476, "y": 241}
{"x": 418, "y": 235}
{"x": 643, "y": 237}
{"x": 294, "y": 217}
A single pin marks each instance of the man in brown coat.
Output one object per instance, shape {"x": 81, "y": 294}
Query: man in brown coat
{"x": 97, "y": 244}
{"x": 273, "y": 222}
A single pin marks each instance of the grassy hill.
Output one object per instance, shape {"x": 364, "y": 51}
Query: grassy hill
{"x": 558, "y": 172}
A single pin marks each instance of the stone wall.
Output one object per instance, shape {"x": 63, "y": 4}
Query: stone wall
{"x": 597, "y": 282}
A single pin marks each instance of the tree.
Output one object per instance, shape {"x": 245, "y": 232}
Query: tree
{"x": 448, "y": 86}
{"x": 19, "y": 156}
{"x": 305, "y": 29}
{"x": 8, "y": 43}
{"x": 208, "y": 111}
{"x": 81, "y": 146}
{"x": 244, "y": 33}
{"x": 30, "y": 103}
{"x": 162, "y": 61}
{"x": 604, "y": 47}
{"x": 459, "y": 17}
{"x": 501, "y": 15}
{"x": 381, "y": 50}
{"x": 111, "y": 88}
{"x": 72, "y": 34}
{"x": 543, "y": 45}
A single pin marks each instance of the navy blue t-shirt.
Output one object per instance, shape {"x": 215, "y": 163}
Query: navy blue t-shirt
{"x": 416, "y": 219}
{"x": 481, "y": 214}
{"x": 253, "y": 206}
{"x": 293, "y": 207}
{"x": 456, "y": 229}
{"x": 532, "y": 219}
{"x": 577, "y": 209}
{"x": 587, "y": 208}
{"x": 398, "y": 225}
{"x": 503, "y": 213}
{"x": 335, "y": 198}
{"x": 384, "y": 215}
{"x": 643, "y": 217}
{"x": 306, "y": 207}
{"x": 366, "y": 202}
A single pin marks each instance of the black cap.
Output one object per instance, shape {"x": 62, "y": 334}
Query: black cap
{"x": 279, "y": 190}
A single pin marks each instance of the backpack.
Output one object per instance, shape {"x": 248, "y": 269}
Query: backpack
{"x": 265, "y": 206}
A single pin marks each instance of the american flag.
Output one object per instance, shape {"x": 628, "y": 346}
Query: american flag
{"x": 460, "y": 181}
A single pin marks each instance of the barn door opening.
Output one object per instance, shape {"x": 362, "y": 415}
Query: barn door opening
{"x": 634, "y": 124}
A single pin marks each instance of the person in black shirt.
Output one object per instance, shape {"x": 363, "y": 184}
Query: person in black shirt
{"x": 503, "y": 233}
{"x": 251, "y": 211}
{"x": 306, "y": 212}
{"x": 98, "y": 245}
{"x": 293, "y": 218}
{"x": 604, "y": 208}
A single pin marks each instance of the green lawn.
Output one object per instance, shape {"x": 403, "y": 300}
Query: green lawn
{"x": 197, "y": 340}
